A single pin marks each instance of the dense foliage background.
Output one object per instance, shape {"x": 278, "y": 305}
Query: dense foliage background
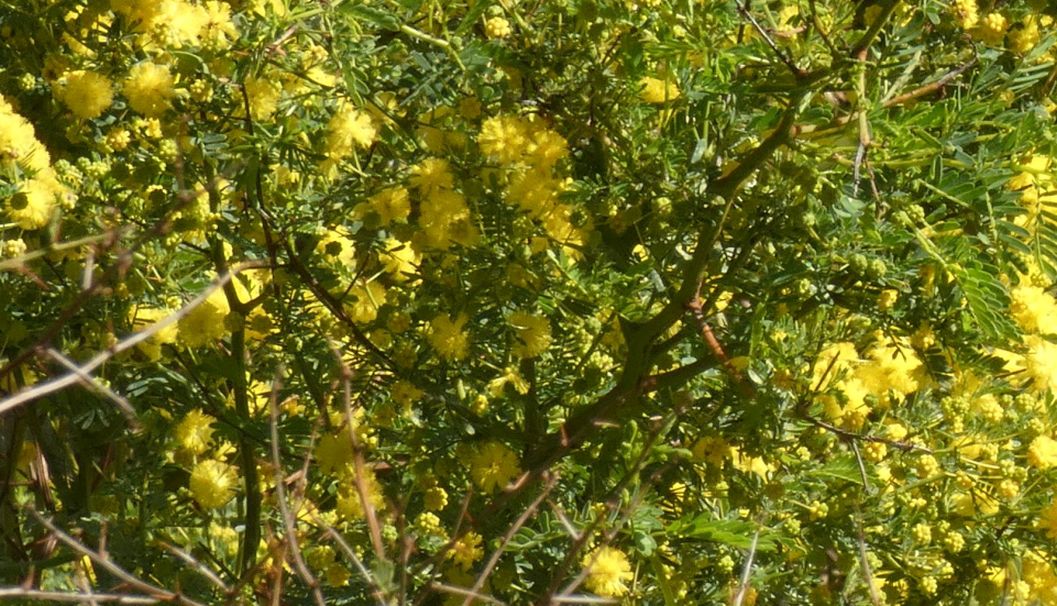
{"x": 528, "y": 302}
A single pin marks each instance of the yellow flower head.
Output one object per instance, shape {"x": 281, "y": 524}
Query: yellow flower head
{"x": 466, "y": 550}
{"x": 32, "y": 206}
{"x": 1033, "y": 309}
{"x": 144, "y": 317}
{"x": 449, "y": 337}
{"x": 213, "y": 483}
{"x": 194, "y": 434}
{"x": 391, "y": 204}
{"x": 149, "y": 88}
{"x": 348, "y": 129}
{"x": 503, "y": 139}
{"x": 205, "y": 323}
{"x": 497, "y": 27}
{"x": 432, "y": 174}
{"x": 608, "y": 570}
{"x": 1042, "y": 452}
{"x": 350, "y": 504}
{"x": 533, "y": 334}
{"x": 493, "y": 466}
{"x": 217, "y": 30}
{"x": 87, "y": 94}
{"x": 1040, "y": 362}
{"x": 655, "y": 90}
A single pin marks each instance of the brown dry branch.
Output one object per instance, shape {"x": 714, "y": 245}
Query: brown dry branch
{"x": 22, "y": 594}
{"x": 284, "y": 507}
{"x": 359, "y": 465}
{"x": 470, "y": 595}
{"x": 509, "y": 535}
{"x": 51, "y": 386}
{"x": 163, "y": 595}
{"x": 94, "y": 384}
{"x": 197, "y": 565}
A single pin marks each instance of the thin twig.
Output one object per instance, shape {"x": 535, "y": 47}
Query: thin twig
{"x": 362, "y": 490}
{"x": 21, "y": 593}
{"x": 851, "y": 435}
{"x": 59, "y": 383}
{"x": 200, "y": 567}
{"x": 864, "y": 562}
{"x": 743, "y": 9}
{"x": 444, "y": 588}
{"x": 284, "y": 507}
{"x": 111, "y": 567}
{"x": 346, "y": 549}
{"x": 514, "y": 528}
{"x": 92, "y": 383}
{"x": 746, "y": 571}
{"x": 560, "y": 514}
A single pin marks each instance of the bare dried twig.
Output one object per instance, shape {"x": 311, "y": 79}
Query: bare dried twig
{"x": 42, "y": 389}
{"x": 284, "y": 507}
{"x": 151, "y": 590}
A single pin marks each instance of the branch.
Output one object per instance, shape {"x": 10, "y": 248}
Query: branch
{"x": 42, "y": 389}
{"x": 20, "y": 593}
{"x": 152, "y": 590}
{"x": 284, "y": 507}
{"x": 514, "y": 528}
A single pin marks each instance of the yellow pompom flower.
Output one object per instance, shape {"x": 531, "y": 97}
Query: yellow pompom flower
{"x": 608, "y": 569}
{"x": 86, "y": 93}
{"x": 1033, "y": 309}
{"x": 217, "y": 30}
{"x": 1040, "y": 363}
{"x": 655, "y": 90}
{"x": 467, "y": 550}
{"x": 18, "y": 142}
{"x": 493, "y": 466}
{"x": 533, "y": 334}
{"x": 205, "y": 323}
{"x": 1048, "y": 520}
{"x": 1042, "y": 452}
{"x": 348, "y": 129}
{"x": 149, "y": 88}
{"x": 263, "y": 94}
{"x": 448, "y": 336}
{"x": 32, "y": 206}
{"x": 350, "y": 504}
{"x": 503, "y": 139}
{"x": 966, "y": 12}
{"x": 1024, "y": 38}
{"x": 497, "y": 27}
{"x": 194, "y": 434}
{"x": 992, "y": 29}
{"x": 334, "y": 452}
{"x": 432, "y": 174}
{"x": 392, "y": 204}
{"x": 399, "y": 259}
{"x": 364, "y": 300}
{"x": 213, "y": 483}
{"x": 337, "y": 246}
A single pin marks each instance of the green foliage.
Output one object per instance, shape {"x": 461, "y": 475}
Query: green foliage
{"x": 662, "y": 302}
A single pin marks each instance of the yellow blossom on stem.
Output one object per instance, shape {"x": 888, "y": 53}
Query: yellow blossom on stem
{"x": 1042, "y": 452}
{"x": 448, "y": 336}
{"x": 493, "y": 466}
{"x": 86, "y": 93}
{"x": 213, "y": 483}
{"x": 348, "y": 129}
{"x": 149, "y": 88}
{"x": 655, "y": 90}
{"x": 608, "y": 571}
